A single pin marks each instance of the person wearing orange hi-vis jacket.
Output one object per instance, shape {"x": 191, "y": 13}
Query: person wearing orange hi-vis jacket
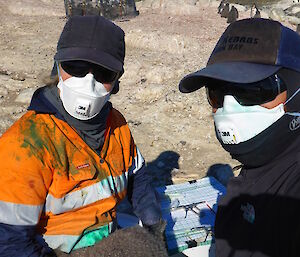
{"x": 71, "y": 159}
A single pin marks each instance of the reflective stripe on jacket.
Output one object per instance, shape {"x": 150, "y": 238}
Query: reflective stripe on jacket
{"x": 48, "y": 171}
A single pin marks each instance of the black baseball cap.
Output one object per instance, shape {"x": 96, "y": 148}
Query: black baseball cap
{"x": 94, "y": 39}
{"x": 248, "y": 51}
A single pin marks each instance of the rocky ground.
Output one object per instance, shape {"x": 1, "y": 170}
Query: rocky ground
{"x": 168, "y": 40}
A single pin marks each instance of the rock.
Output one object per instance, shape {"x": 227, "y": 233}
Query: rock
{"x": 175, "y": 171}
{"x": 291, "y": 14}
{"x": 182, "y": 142}
{"x": 35, "y": 8}
{"x": 108, "y": 9}
{"x": 134, "y": 123}
{"x": 297, "y": 14}
{"x": 257, "y": 14}
{"x": 3, "y": 92}
{"x": 277, "y": 14}
{"x": 255, "y": 9}
{"x": 133, "y": 72}
{"x": 240, "y": 8}
{"x": 25, "y": 95}
{"x": 232, "y": 15}
{"x": 18, "y": 76}
{"x": 298, "y": 29}
{"x": 221, "y": 6}
{"x": 150, "y": 94}
{"x": 174, "y": 44}
{"x": 225, "y": 11}
{"x": 178, "y": 7}
{"x": 292, "y": 9}
{"x": 5, "y": 122}
{"x": 293, "y": 20}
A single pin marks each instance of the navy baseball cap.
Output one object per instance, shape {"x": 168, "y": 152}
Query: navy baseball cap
{"x": 94, "y": 39}
{"x": 248, "y": 51}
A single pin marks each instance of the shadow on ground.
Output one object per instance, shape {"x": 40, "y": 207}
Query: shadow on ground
{"x": 162, "y": 167}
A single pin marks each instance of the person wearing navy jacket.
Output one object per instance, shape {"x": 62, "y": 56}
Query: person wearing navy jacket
{"x": 252, "y": 82}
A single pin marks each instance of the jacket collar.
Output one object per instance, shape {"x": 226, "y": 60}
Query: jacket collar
{"x": 40, "y": 104}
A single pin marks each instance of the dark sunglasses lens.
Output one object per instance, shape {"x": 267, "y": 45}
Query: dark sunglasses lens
{"x": 246, "y": 94}
{"x": 76, "y": 68}
{"x": 250, "y": 96}
{"x": 260, "y": 92}
{"x": 215, "y": 96}
{"x": 81, "y": 68}
{"x": 104, "y": 75}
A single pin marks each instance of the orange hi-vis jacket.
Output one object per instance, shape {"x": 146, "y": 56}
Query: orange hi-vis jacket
{"x": 50, "y": 178}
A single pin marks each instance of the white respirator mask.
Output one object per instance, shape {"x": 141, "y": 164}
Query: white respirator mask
{"x": 236, "y": 123}
{"x": 82, "y": 97}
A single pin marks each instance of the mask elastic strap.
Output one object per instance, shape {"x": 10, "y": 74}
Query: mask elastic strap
{"x": 292, "y": 113}
{"x": 297, "y": 91}
{"x": 58, "y": 71}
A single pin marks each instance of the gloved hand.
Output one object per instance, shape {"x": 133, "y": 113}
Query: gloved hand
{"x": 157, "y": 229}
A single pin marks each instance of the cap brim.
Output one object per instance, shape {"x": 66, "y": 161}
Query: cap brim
{"x": 236, "y": 72}
{"x": 90, "y": 55}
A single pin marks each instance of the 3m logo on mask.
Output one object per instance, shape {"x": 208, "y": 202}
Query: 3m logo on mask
{"x": 225, "y": 134}
{"x": 82, "y": 109}
{"x": 227, "y": 137}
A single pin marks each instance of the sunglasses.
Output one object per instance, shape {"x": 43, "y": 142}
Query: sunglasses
{"x": 256, "y": 93}
{"x": 81, "y": 68}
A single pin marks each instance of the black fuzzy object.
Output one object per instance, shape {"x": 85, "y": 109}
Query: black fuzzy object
{"x": 134, "y": 241}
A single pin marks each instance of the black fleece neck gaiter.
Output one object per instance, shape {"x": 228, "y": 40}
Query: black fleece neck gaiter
{"x": 267, "y": 145}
